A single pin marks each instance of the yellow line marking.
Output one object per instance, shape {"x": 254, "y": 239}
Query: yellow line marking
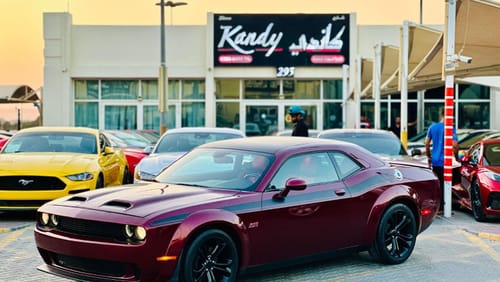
{"x": 483, "y": 246}
{"x": 11, "y": 237}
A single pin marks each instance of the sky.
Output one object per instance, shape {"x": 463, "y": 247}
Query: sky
{"x": 21, "y": 22}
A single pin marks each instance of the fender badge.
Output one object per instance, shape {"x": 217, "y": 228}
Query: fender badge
{"x": 398, "y": 174}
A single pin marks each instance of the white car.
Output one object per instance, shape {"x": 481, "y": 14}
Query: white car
{"x": 174, "y": 143}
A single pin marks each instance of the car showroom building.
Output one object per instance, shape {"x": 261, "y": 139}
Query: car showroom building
{"x": 239, "y": 70}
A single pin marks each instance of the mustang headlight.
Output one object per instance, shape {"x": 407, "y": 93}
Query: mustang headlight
{"x": 493, "y": 176}
{"x": 81, "y": 176}
{"x": 137, "y": 233}
{"x": 141, "y": 175}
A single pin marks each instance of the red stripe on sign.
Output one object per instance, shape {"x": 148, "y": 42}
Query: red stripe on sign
{"x": 448, "y": 162}
{"x": 449, "y": 111}
{"x": 448, "y": 143}
{"x": 448, "y": 122}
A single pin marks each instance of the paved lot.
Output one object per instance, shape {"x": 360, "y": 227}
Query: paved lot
{"x": 452, "y": 249}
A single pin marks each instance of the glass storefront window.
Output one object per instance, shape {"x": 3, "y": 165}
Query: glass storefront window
{"x": 228, "y": 114}
{"x": 301, "y": 89}
{"x": 332, "y": 89}
{"x": 120, "y": 117}
{"x": 173, "y": 89}
{"x": 149, "y": 89}
{"x": 86, "y": 89}
{"x": 474, "y": 115}
{"x": 87, "y": 114}
{"x": 367, "y": 114}
{"x": 193, "y": 89}
{"x": 474, "y": 92}
{"x": 193, "y": 114}
{"x": 227, "y": 89}
{"x": 261, "y": 89}
{"x": 150, "y": 117}
{"x": 332, "y": 117}
{"x": 119, "y": 89}
{"x": 432, "y": 113}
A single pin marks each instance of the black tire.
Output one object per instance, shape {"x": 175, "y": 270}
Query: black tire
{"x": 127, "y": 178}
{"x": 396, "y": 235}
{"x": 212, "y": 256}
{"x": 99, "y": 183}
{"x": 475, "y": 202}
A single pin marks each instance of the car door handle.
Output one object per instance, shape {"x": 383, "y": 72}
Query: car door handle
{"x": 340, "y": 192}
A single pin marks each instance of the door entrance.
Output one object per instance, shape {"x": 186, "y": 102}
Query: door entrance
{"x": 269, "y": 118}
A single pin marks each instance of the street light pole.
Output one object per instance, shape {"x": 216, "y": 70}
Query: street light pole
{"x": 162, "y": 79}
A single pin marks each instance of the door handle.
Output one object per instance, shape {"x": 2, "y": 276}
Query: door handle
{"x": 340, "y": 192}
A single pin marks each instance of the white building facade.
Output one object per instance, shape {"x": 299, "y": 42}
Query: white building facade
{"x": 230, "y": 73}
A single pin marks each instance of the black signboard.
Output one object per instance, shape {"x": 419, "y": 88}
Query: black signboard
{"x": 284, "y": 41}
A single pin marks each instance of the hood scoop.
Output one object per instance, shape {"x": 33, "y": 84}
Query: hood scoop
{"x": 118, "y": 204}
{"x": 78, "y": 199}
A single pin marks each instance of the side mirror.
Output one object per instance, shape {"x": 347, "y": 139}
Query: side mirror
{"x": 108, "y": 150}
{"x": 416, "y": 152}
{"x": 295, "y": 184}
{"x": 148, "y": 150}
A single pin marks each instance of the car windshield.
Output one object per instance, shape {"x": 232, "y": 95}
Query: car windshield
{"x": 186, "y": 141}
{"x": 382, "y": 144}
{"x": 218, "y": 169}
{"x": 71, "y": 142}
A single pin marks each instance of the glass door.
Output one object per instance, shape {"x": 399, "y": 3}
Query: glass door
{"x": 270, "y": 117}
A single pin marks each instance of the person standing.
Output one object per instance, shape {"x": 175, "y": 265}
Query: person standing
{"x": 300, "y": 128}
{"x": 435, "y": 156}
{"x": 396, "y": 127}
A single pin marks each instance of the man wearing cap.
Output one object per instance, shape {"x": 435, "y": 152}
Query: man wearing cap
{"x": 300, "y": 128}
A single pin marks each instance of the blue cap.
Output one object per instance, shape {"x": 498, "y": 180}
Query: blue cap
{"x": 294, "y": 110}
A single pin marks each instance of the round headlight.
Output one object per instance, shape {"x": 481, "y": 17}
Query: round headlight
{"x": 54, "y": 219}
{"x": 44, "y": 218}
{"x": 140, "y": 233}
{"x": 129, "y": 231}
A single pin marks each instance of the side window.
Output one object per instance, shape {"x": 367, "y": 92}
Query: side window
{"x": 314, "y": 168}
{"x": 345, "y": 164}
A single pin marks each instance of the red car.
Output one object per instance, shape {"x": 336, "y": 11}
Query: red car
{"x": 233, "y": 205}
{"x": 3, "y": 140}
{"x": 479, "y": 189}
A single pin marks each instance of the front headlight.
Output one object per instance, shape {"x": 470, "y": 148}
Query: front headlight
{"x": 44, "y": 219}
{"x": 136, "y": 233}
{"x": 84, "y": 176}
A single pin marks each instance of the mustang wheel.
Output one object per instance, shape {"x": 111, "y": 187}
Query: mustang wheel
{"x": 212, "y": 256}
{"x": 476, "y": 204}
{"x": 396, "y": 235}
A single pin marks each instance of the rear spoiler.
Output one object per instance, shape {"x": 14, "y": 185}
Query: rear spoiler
{"x": 411, "y": 163}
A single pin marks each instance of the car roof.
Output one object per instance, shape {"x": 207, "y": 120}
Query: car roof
{"x": 355, "y": 130}
{"x": 205, "y": 129}
{"x": 60, "y": 128}
{"x": 272, "y": 144}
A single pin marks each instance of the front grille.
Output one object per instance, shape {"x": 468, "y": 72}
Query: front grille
{"x": 30, "y": 183}
{"x": 100, "y": 267}
{"x": 91, "y": 228}
{"x": 494, "y": 201}
{"x": 21, "y": 203}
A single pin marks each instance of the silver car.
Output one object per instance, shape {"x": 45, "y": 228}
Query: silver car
{"x": 174, "y": 144}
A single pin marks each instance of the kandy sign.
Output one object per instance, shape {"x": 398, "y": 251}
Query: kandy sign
{"x": 281, "y": 40}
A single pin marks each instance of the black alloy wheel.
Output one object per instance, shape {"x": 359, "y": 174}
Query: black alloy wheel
{"x": 475, "y": 201}
{"x": 212, "y": 256}
{"x": 396, "y": 235}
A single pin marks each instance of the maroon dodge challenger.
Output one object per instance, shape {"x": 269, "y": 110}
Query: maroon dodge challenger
{"x": 231, "y": 206}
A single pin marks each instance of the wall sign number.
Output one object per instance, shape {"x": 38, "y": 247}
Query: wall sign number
{"x": 285, "y": 71}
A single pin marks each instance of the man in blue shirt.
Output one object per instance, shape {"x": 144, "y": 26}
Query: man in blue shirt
{"x": 435, "y": 156}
